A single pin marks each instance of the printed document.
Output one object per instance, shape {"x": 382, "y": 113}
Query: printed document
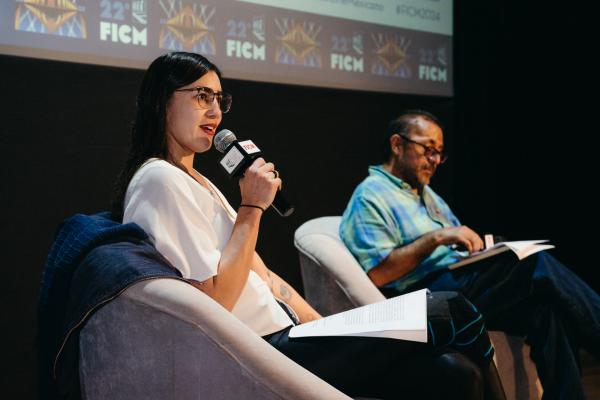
{"x": 402, "y": 317}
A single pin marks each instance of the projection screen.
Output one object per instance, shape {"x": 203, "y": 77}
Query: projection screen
{"x": 397, "y": 46}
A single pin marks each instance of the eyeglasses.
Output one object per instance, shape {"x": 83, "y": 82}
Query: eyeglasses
{"x": 430, "y": 152}
{"x": 206, "y": 97}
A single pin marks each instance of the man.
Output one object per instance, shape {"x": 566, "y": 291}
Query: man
{"x": 405, "y": 237}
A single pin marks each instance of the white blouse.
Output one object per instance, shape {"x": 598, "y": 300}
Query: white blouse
{"x": 190, "y": 228}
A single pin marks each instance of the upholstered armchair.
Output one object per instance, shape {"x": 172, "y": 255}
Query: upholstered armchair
{"x": 334, "y": 282}
{"x": 164, "y": 339}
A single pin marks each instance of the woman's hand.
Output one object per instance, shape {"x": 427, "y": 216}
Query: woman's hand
{"x": 259, "y": 184}
{"x": 258, "y": 188}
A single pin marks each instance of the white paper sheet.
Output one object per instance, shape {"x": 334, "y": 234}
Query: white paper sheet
{"x": 402, "y": 317}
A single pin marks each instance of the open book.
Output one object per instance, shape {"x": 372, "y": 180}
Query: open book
{"x": 522, "y": 249}
{"x": 402, "y": 317}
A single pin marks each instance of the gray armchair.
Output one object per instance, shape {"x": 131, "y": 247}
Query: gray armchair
{"x": 164, "y": 339}
{"x": 334, "y": 282}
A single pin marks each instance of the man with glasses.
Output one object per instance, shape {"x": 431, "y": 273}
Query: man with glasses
{"x": 405, "y": 237}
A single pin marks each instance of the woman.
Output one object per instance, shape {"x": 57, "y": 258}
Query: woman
{"x": 179, "y": 108}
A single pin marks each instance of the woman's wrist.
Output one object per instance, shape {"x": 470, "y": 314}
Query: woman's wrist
{"x": 248, "y": 205}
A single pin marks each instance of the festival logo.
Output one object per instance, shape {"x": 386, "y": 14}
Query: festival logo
{"x": 187, "y": 26}
{"x": 391, "y": 56}
{"x": 54, "y": 17}
{"x": 433, "y": 64}
{"x": 246, "y": 39}
{"x": 298, "y": 43}
{"x": 124, "y": 21}
{"x": 347, "y": 53}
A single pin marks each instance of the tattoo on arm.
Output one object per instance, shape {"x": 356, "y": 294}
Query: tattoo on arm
{"x": 285, "y": 293}
{"x": 271, "y": 282}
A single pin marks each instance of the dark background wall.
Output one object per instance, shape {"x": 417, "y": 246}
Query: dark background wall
{"x": 519, "y": 138}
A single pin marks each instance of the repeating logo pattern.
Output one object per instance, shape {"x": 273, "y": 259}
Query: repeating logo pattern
{"x": 245, "y": 40}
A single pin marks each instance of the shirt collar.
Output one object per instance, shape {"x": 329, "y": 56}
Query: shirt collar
{"x": 432, "y": 206}
{"x": 378, "y": 170}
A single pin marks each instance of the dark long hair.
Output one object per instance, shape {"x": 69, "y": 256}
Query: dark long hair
{"x": 148, "y": 137}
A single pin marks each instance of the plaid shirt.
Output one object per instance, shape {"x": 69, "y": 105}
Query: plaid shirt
{"x": 384, "y": 213}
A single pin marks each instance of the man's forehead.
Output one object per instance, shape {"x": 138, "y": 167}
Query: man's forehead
{"x": 423, "y": 128}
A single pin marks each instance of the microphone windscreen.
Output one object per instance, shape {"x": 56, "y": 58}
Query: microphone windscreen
{"x": 223, "y": 139}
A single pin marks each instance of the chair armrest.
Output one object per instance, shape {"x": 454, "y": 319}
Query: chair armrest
{"x": 163, "y": 338}
{"x": 318, "y": 241}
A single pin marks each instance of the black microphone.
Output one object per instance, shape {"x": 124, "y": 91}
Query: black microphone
{"x": 238, "y": 156}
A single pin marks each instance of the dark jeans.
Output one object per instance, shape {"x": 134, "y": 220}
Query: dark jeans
{"x": 540, "y": 299}
{"x": 394, "y": 369}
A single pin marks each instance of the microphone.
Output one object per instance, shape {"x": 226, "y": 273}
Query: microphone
{"x": 238, "y": 156}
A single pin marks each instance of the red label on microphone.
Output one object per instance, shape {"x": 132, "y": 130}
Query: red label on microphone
{"x": 249, "y": 146}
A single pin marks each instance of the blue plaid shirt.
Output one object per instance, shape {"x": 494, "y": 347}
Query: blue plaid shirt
{"x": 384, "y": 213}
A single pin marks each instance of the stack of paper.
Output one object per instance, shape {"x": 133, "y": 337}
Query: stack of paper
{"x": 402, "y": 317}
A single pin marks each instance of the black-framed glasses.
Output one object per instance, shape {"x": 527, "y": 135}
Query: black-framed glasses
{"x": 430, "y": 152}
{"x": 206, "y": 97}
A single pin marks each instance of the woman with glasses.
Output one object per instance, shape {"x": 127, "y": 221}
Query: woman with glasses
{"x": 179, "y": 107}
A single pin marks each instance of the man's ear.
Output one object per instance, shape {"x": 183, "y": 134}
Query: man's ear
{"x": 395, "y": 144}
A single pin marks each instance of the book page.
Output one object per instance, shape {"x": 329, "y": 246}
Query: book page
{"x": 532, "y": 250}
{"x": 401, "y": 317}
{"x": 525, "y": 248}
{"x": 522, "y": 249}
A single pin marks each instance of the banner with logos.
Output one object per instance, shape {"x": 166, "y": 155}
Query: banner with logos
{"x": 397, "y": 46}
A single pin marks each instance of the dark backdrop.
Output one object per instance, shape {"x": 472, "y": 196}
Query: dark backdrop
{"x": 517, "y": 132}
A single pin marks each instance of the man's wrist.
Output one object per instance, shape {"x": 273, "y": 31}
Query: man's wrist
{"x": 436, "y": 239}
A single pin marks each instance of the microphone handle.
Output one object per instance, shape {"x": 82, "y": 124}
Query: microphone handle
{"x": 236, "y": 160}
{"x": 281, "y": 205}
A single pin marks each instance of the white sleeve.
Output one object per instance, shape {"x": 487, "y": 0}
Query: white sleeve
{"x": 163, "y": 205}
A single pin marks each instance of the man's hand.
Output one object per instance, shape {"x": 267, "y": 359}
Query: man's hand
{"x": 405, "y": 259}
{"x": 461, "y": 235}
